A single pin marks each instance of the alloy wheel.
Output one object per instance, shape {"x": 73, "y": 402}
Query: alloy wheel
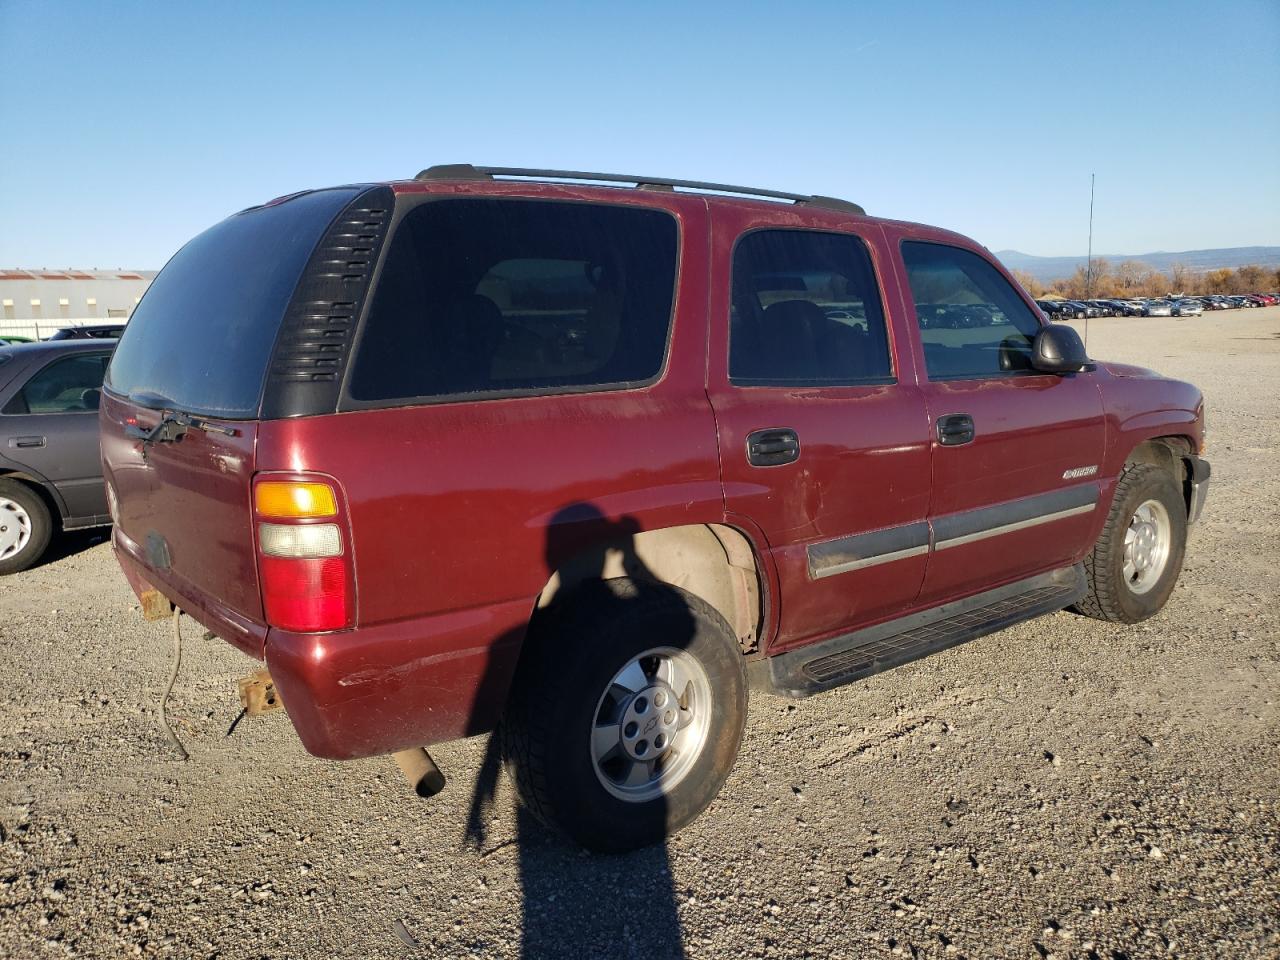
{"x": 650, "y": 724}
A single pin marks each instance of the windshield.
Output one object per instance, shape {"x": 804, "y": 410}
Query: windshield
{"x": 202, "y": 337}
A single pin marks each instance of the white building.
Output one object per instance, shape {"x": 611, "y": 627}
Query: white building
{"x": 37, "y": 303}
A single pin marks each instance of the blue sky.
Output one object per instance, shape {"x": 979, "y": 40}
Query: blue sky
{"x": 125, "y": 128}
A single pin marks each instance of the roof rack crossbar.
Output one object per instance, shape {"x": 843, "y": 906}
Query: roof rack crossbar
{"x": 465, "y": 171}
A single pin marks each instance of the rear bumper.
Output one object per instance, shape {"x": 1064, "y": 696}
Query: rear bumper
{"x": 380, "y": 689}
{"x": 1199, "y": 472}
{"x": 373, "y": 690}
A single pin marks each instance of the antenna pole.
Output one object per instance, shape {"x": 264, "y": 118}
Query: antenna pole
{"x": 1088, "y": 270}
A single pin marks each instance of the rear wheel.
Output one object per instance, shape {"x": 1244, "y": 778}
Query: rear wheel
{"x": 1135, "y": 563}
{"x": 626, "y": 713}
{"x": 25, "y": 526}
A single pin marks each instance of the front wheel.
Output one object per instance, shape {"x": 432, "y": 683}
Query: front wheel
{"x": 1136, "y": 561}
{"x": 626, "y": 713}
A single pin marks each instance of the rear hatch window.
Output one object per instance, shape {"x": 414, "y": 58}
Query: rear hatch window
{"x": 202, "y": 337}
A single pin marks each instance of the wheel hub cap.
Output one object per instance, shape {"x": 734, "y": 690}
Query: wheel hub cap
{"x": 650, "y": 721}
{"x": 15, "y": 529}
{"x": 1146, "y": 546}
{"x": 651, "y": 724}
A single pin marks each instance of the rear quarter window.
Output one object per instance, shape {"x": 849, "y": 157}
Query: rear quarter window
{"x": 499, "y": 297}
{"x": 202, "y": 337}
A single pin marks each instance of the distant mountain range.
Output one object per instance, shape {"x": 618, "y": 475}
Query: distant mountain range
{"x": 1052, "y": 268}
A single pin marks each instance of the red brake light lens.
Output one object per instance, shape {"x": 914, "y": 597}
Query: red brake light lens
{"x": 306, "y": 595}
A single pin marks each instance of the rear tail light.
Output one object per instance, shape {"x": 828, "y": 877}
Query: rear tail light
{"x": 305, "y": 566}
{"x": 300, "y": 542}
{"x": 306, "y": 595}
{"x": 300, "y": 499}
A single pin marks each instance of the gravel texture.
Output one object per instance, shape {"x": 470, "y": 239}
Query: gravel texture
{"x": 1065, "y": 788}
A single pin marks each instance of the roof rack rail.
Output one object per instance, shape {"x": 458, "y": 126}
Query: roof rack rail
{"x": 465, "y": 171}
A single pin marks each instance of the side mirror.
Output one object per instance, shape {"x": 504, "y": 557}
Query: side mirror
{"x": 1058, "y": 349}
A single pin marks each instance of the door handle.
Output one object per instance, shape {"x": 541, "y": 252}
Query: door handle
{"x": 773, "y": 447}
{"x": 955, "y": 429}
{"x": 24, "y": 442}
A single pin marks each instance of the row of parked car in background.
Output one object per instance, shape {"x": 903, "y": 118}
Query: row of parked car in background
{"x": 1153, "y": 306}
{"x": 99, "y": 331}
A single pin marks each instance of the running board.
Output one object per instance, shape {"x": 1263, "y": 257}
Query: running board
{"x": 857, "y": 655}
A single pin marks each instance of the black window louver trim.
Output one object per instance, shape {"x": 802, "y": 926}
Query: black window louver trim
{"x": 314, "y": 342}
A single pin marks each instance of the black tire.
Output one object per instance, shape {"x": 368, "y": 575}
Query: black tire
{"x": 572, "y": 655}
{"x": 1110, "y": 595}
{"x": 37, "y": 515}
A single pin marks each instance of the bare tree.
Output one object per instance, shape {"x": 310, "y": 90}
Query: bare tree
{"x": 1181, "y": 278}
{"x": 1074, "y": 287}
{"x": 1156, "y": 284}
{"x": 1102, "y": 280}
{"x": 1251, "y": 279}
{"x": 1131, "y": 276}
{"x": 1029, "y": 283}
{"x": 1219, "y": 281}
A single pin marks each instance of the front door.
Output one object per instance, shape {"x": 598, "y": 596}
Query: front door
{"x": 824, "y": 441}
{"x": 1016, "y": 453}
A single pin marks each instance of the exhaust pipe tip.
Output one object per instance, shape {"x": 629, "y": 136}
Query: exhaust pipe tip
{"x": 421, "y": 771}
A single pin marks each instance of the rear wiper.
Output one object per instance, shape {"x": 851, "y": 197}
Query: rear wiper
{"x": 172, "y": 427}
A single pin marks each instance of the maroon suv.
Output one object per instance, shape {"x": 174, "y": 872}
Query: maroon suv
{"x": 583, "y": 457}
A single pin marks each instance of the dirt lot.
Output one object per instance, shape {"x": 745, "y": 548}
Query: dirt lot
{"x": 1064, "y": 788}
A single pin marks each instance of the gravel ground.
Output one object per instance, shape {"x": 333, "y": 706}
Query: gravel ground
{"x": 1065, "y": 788}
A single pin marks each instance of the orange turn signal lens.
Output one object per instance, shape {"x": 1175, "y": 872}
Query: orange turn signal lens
{"x": 294, "y": 499}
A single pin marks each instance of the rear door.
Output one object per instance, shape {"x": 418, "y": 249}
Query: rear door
{"x": 824, "y": 441}
{"x": 1016, "y": 452}
{"x": 49, "y": 425}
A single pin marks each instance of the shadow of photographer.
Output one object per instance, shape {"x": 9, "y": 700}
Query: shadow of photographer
{"x": 574, "y": 903}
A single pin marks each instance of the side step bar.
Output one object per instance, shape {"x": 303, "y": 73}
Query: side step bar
{"x": 857, "y": 655}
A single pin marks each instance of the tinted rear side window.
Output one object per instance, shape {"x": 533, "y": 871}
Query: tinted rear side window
{"x": 499, "y": 296}
{"x": 202, "y": 336}
{"x": 805, "y": 311}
